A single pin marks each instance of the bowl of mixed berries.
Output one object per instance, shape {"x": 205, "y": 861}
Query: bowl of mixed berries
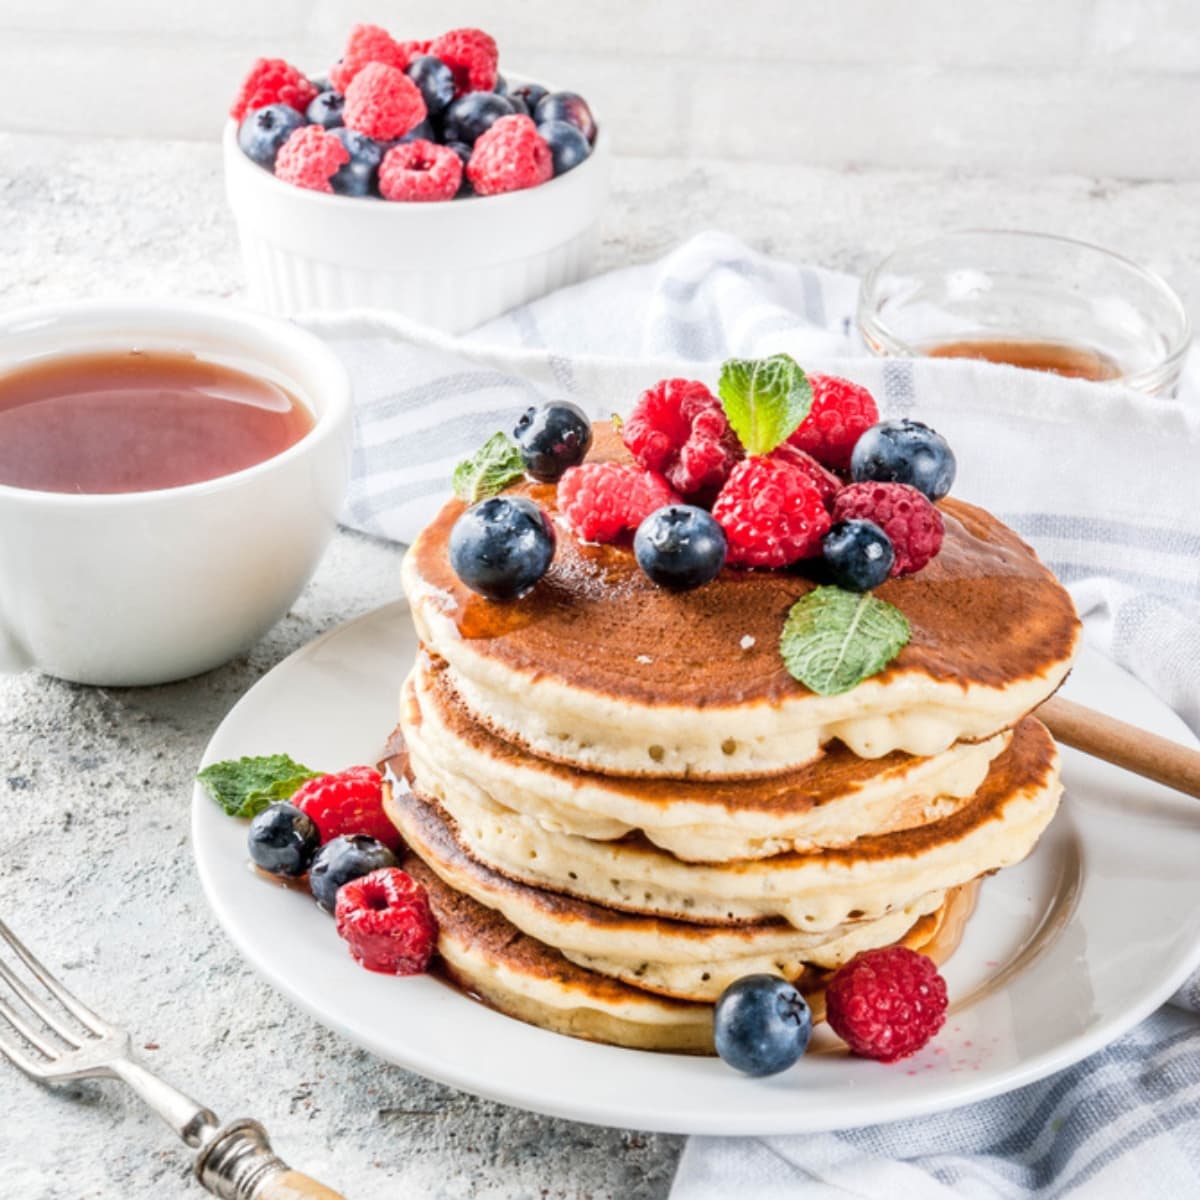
{"x": 413, "y": 176}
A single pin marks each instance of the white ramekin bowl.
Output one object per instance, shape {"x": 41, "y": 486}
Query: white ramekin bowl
{"x": 451, "y": 264}
{"x": 146, "y": 587}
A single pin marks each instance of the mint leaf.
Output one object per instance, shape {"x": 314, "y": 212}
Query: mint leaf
{"x": 765, "y": 399}
{"x": 492, "y": 467}
{"x": 245, "y": 786}
{"x": 834, "y": 639}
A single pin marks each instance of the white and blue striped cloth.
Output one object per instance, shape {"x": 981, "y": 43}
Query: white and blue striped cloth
{"x": 1105, "y": 484}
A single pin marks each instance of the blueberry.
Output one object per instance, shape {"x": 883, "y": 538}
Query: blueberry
{"x": 528, "y": 94}
{"x": 552, "y": 438}
{"x": 569, "y": 107}
{"x": 358, "y": 176}
{"x": 425, "y": 130}
{"x": 859, "y": 555}
{"x": 568, "y": 146}
{"x": 680, "y": 547}
{"x": 472, "y": 114}
{"x": 326, "y": 110}
{"x": 501, "y": 88}
{"x": 343, "y": 859}
{"x": 263, "y": 131}
{"x": 464, "y": 153}
{"x": 501, "y": 547}
{"x": 761, "y": 1025}
{"x": 904, "y": 451}
{"x": 435, "y": 81}
{"x": 283, "y": 840}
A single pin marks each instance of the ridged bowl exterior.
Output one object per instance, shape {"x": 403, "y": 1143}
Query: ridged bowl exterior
{"x": 452, "y": 264}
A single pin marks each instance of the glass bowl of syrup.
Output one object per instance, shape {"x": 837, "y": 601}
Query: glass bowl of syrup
{"x": 1030, "y": 300}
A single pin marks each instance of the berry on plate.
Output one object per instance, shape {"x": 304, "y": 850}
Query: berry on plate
{"x": 359, "y": 176}
{"x": 420, "y": 170}
{"x": 528, "y": 95}
{"x": 886, "y": 1004}
{"x": 679, "y": 429}
{"x": 825, "y": 481}
{"x": 326, "y": 110}
{"x": 385, "y": 919}
{"x": 859, "y": 555}
{"x": 472, "y": 115}
{"x": 263, "y": 132}
{"x": 680, "y": 547}
{"x": 435, "y": 81}
{"x": 340, "y": 861}
{"x": 472, "y": 55}
{"x": 552, "y": 438}
{"x": 349, "y": 802}
{"x": 310, "y": 158}
{"x": 905, "y": 451}
{"x": 509, "y": 156}
{"x": 602, "y": 499}
{"x": 383, "y": 102}
{"x": 841, "y": 413}
{"x": 272, "y": 81}
{"x": 913, "y": 525}
{"x": 569, "y": 107}
{"x": 368, "y": 44}
{"x": 772, "y": 513}
{"x": 761, "y": 1025}
{"x": 501, "y": 547}
{"x": 568, "y": 146}
{"x": 283, "y": 840}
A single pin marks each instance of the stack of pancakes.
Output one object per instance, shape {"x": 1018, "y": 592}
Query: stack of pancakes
{"x": 621, "y": 802}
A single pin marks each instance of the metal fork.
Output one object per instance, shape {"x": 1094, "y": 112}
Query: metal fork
{"x": 54, "y": 1038}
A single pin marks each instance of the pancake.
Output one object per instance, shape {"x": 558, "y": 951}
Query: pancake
{"x": 669, "y": 957}
{"x": 491, "y": 959}
{"x": 814, "y": 891}
{"x": 827, "y": 803}
{"x": 599, "y": 668}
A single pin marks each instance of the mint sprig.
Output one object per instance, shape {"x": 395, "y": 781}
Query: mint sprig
{"x": 834, "y": 639}
{"x": 243, "y": 787}
{"x": 492, "y": 467}
{"x": 765, "y": 399}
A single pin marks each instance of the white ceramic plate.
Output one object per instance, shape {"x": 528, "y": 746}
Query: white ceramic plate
{"x": 1064, "y": 953}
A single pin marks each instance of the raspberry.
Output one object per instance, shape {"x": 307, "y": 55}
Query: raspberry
{"x": 420, "y": 170}
{"x": 473, "y": 57}
{"x": 383, "y": 103}
{"x": 310, "y": 158}
{"x": 509, "y": 156}
{"x": 599, "y": 500}
{"x": 826, "y": 482}
{"x": 272, "y": 81}
{"x": 772, "y": 513}
{"x": 678, "y": 428}
{"x": 903, "y": 513}
{"x": 349, "y": 802}
{"x": 386, "y": 920}
{"x": 841, "y": 413}
{"x": 367, "y": 44}
{"x": 887, "y": 1003}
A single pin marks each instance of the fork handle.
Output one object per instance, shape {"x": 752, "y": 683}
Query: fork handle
{"x": 291, "y": 1185}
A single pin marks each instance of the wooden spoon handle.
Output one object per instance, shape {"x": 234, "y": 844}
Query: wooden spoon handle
{"x": 1124, "y": 745}
{"x": 291, "y": 1185}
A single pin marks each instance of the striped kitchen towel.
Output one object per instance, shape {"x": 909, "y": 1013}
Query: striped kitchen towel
{"x": 1102, "y": 481}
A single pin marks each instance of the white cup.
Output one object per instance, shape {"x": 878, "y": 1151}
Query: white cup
{"x": 147, "y": 587}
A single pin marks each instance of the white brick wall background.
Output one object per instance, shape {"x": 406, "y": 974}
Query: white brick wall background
{"x": 1103, "y": 87}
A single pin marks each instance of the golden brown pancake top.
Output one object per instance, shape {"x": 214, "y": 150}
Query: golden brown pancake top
{"x": 984, "y": 611}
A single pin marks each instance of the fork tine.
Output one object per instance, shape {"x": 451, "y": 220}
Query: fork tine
{"x": 40, "y": 1008}
{"x": 80, "y": 1011}
{"x": 26, "y": 1031}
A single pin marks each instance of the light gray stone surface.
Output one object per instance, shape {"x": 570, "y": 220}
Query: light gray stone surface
{"x": 95, "y": 868}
